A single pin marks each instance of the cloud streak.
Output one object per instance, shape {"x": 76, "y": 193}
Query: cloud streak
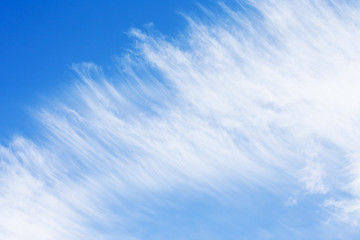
{"x": 252, "y": 95}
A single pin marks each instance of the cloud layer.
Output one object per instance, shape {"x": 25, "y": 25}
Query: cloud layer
{"x": 252, "y": 97}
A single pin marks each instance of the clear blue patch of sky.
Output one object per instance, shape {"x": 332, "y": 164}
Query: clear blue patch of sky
{"x": 39, "y": 40}
{"x": 258, "y": 214}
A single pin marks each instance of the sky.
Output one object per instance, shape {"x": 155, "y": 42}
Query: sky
{"x": 180, "y": 119}
{"x": 40, "y": 40}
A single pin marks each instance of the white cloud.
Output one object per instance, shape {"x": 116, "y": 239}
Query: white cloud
{"x": 269, "y": 100}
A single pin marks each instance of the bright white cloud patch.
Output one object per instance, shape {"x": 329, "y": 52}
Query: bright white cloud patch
{"x": 261, "y": 95}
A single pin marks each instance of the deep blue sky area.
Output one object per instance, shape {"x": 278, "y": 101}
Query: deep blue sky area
{"x": 39, "y": 40}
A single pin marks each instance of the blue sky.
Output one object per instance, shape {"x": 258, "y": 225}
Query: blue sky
{"x": 40, "y": 40}
{"x": 179, "y": 120}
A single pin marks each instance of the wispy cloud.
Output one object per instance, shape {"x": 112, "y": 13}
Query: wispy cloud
{"x": 257, "y": 95}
